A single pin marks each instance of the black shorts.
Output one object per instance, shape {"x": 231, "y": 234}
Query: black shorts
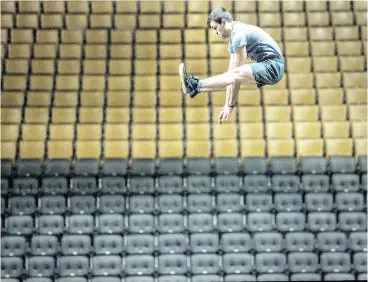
{"x": 268, "y": 72}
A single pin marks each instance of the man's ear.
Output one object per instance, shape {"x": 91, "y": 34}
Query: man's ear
{"x": 223, "y": 21}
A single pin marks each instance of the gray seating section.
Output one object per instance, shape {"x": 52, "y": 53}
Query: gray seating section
{"x": 57, "y": 167}
{"x": 268, "y": 242}
{"x": 204, "y": 242}
{"x": 200, "y": 222}
{"x": 290, "y": 221}
{"x": 260, "y": 221}
{"x": 362, "y": 164}
{"x": 113, "y": 167}
{"x": 299, "y": 241}
{"x": 352, "y": 221}
{"x": 236, "y": 242}
{"x": 236, "y": 263}
{"x": 205, "y": 263}
{"x": 339, "y": 277}
{"x": 256, "y": 184}
{"x": 227, "y": 183}
{"x": 239, "y": 278}
{"x": 230, "y": 222}
{"x": 362, "y": 276}
{"x": 82, "y": 204}
{"x": 139, "y": 278}
{"x": 315, "y": 183}
{"x": 303, "y": 262}
{"x": 51, "y": 224}
{"x": 105, "y": 279}
{"x": 139, "y": 265}
{"x": 349, "y": 201}
{"x": 173, "y": 264}
{"x": 142, "y": 185}
{"x": 172, "y": 278}
{"x": 312, "y": 165}
{"x": 364, "y": 182}
{"x": 285, "y": 183}
{"x": 4, "y": 186}
{"x": 140, "y": 244}
{"x": 86, "y": 167}
{"x": 226, "y": 165}
{"x": 288, "y": 202}
{"x": 112, "y": 204}
{"x": 41, "y": 266}
{"x": 206, "y": 278}
{"x": 196, "y": 166}
{"x": 108, "y": 244}
{"x": 13, "y": 246}
{"x": 141, "y": 223}
{"x": 52, "y": 204}
{"x": 141, "y": 204}
{"x": 11, "y": 267}
{"x": 319, "y": 201}
{"x": 73, "y": 265}
{"x": 113, "y": 185}
{"x": 345, "y": 182}
{"x": 44, "y": 245}
{"x": 273, "y": 277}
{"x": 110, "y": 223}
{"x": 199, "y": 203}
{"x": 76, "y": 245}
{"x": 71, "y": 279}
{"x": 83, "y": 185}
{"x": 54, "y": 186}
{"x": 283, "y": 165}
{"x": 305, "y": 277}
{"x": 171, "y": 223}
{"x": 25, "y": 186}
{"x": 38, "y": 279}
{"x": 199, "y": 184}
{"x": 19, "y": 224}
{"x": 357, "y": 241}
{"x": 25, "y": 205}
{"x": 270, "y": 262}
{"x": 335, "y": 262}
{"x": 332, "y": 241}
{"x": 258, "y": 202}
{"x": 170, "y": 166}
{"x": 172, "y": 203}
{"x": 341, "y": 164}
{"x": 170, "y": 184}
{"x": 321, "y": 221}
{"x": 106, "y": 265}
{"x": 81, "y": 224}
{"x": 6, "y": 168}
{"x": 142, "y": 167}
{"x": 229, "y": 202}
{"x": 255, "y": 165}
{"x": 360, "y": 262}
{"x": 29, "y": 167}
{"x": 172, "y": 243}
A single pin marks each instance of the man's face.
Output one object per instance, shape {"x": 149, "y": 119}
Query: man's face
{"x": 220, "y": 29}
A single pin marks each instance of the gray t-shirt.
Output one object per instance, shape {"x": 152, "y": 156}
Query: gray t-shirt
{"x": 260, "y": 45}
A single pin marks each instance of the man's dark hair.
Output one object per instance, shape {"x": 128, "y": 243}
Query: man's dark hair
{"x": 219, "y": 14}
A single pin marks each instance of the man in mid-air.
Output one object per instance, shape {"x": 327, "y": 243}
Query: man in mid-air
{"x": 244, "y": 40}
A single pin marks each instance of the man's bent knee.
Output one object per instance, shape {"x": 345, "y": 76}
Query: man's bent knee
{"x": 243, "y": 74}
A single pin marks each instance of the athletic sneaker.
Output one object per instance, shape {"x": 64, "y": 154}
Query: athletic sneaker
{"x": 189, "y": 85}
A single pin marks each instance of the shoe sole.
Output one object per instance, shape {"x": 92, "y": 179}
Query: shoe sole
{"x": 181, "y": 74}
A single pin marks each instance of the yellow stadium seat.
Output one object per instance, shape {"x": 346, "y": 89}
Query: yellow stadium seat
{"x": 279, "y": 130}
{"x": 63, "y": 115}
{"x": 65, "y": 99}
{"x": 321, "y": 18}
{"x": 45, "y": 51}
{"x": 169, "y": 66}
{"x": 198, "y": 148}
{"x": 144, "y": 115}
{"x": 295, "y": 33}
{"x": 149, "y": 21}
{"x": 4, "y": 38}
{"x": 93, "y": 82}
{"x": 225, "y": 148}
{"x": 253, "y": 147}
{"x": 78, "y": 7}
{"x": 359, "y": 129}
{"x": 146, "y": 67}
{"x": 300, "y": 80}
{"x": 360, "y": 147}
{"x": 294, "y": 6}
{"x": 67, "y": 82}
{"x": 356, "y": 96}
{"x": 14, "y": 82}
{"x": 96, "y": 36}
{"x": 120, "y": 67}
{"x": 145, "y": 82}
{"x": 275, "y": 96}
{"x": 198, "y": 131}
{"x": 277, "y": 113}
{"x": 294, "y": 19}
{"x": 361, "y": 18}
{"x": 36, "y": 115}
{"x": 145, "y": 131}
{"x": 27, "y": 21}
{"x": 322, "y": 48}
{"x": 31, "y": 149}
{"x": 53, "y": 7}
{"x": 103, "y": 7}
{"x": 309, "y": 147}
{"x": 224, "y": 131}
{"x": 171, "y": 115}
{"x": 251, "y": 130}
{"x": 119, "y": 83}
{"x": 145, "y": 99}
{"x": 245, "y": 98}
{"x": 354, "y": 79}
{"x": 12, "y": 98}
{"x": 76, "y": 21}
{"x": 298, "y": 64}
{"x": 250, "y": 7}
{"x": 118, "y": 99}
{"x": 69, "y": 51}
{"x": 339, "y": 147}
{"x": 61, "y": 131}
{"x": 170, "y": 149}
{"x": 121, "y": 51}
{"x": 340, "y": 6}
{"x": 72, "y": 36}
{"x": 11, "y": 115}
{"x": 148, "y": 51}
{"x": 328, "y": 80}
{"x": 38, "y": 99}
{"x": 342, "y": 18}
{"x": 269, "y": 19}
{"x": 174, "y": 7}
{"x": 19, "y": 51}
{"x": 321, "y": 33}
{"x": 333, "y": 113}
{"x": 346, "y": 33}
{"x": 168, "y": 99}
{"x": 8, "y": 150}
{"x": 21, "y": 35}
{"x": 16, "y": 66}
{"x": 305, "y": 130}
{"x": 127, "y": 7}
{"x": 272, "y": 6}
{"x": 7, "y": 21}
{"x": 198, "y": 7}
{"x": 275, "y": 33}
{"x": 197, "y": 114}
{"x": 250, "y": 114}
{"x": 349, "y": 48}
{"x": 333, "y": 129}
{"x": 194, "y": 36}
{"x": 356, "y": 63}
{"x": 305, "y": 113}
{"x": 116, "y": 131}
{"x": 219, "y": 66}
{"x": 8, "y": 6}
{"x": 282, "y": 147}
{"x": 89, "y": 131}
{"x": 32, "y": 132}
{"x": 303, "y": 96}
{"x": 199, "y": 101}
{"x": 41, "y": 82}
{"x": 123, "y": 21}
{"x": 101, "y": 21}
{"x": 325, "y": 64}
{"x": 92, "y": 99}
{"x": 171, "y": 131}
{"x": 60, "y": 149}
{"x": 357, "y": 112}
{"x": 170, "y": 52}
{"x": 316, "y": 5}
{"x": 95, "y": 51}
{"x": 360, "y": 6}
{"x": 29, "y": 7}
{"x": 249, "y": 18}
{"x": 9, "y": 132}
{"x": 43, "y": 67}
{"x": 144, "y": 149}
{"x": 116, "y": 149}
{"x": 197, "y": 20}
{"x": 218, "y": 50}
{"x": 121, "y": 36}
{"x": 88, "y": 149}
{"x": 195, "y": 51}
{"x": 90, "y": 114}
{"x": 117, "y": 115}
{"x": 150, "y": 7}
{"x": 330, "y": 96}
{"x": 169, "y": 36}
{"x": 146, "y": 36}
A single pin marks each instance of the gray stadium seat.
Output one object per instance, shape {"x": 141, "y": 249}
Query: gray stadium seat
{"x": 239, "y": 278}
{"x": 139, "y": 265}
{"x": 170, "y": 184}
{"x": 270, "y": 262}
{"x": 260, "y": 221}
{"x": 226, "y": 165}
{"x": 230, "y": 222}
{"x": 312, "y": 165}
{"x": 321, "y": 221}
{"x": 290, "y": 221}
{"x": 204, "y": 242}
{"x": 198, "y": 166}
{"x": 110, "y": 223}
{"x": 71, "y": 279}
{"x": 38, "y": 279}
{"x": 29, "y": 167}
{"x": 360, "y": 262}
{"x": 9, "y": 280}
{"x": 204, "y": 263}
{"x": 54, "y": 185}
{"x": 4, "y": 186}
{"x": 13, "y": 246}
{"x": 227, "y": 183}
{"x": 73, "y": 265}
{"x": 25, "y": 186}
{"x": 141, "y": 204}
{"x": 345, "y": 182}
{"x": 113, "y": 185}
{"x": 236, "y": 242}
{"x": 315, "y": 183}
{"x": 362, "y": 276}
{"x": 41, "y": 266}
{"x": 200, "y": 222}
{"x": 319, "y": 201}
{"x": 55, "y": 167}
{"x": 76, "y": 244}
{"x": 303, "y": 262}
{"x": 106, "y": 265}
{"x": 170, "y": 203}
{"x": 19, "y": 224}
{"x": 299, "y": 242}
{"x": 339, "y": 277}
{"x": 206, "y": 278}
{"x": 44, "y": 245}
{"x": 81, "y": 224}
{"x": 139, "y": 278}
{"x": 171, "y": 223}
{"x": 237, "y": 263}
{"x": 364, "y": 183}
{"x": 268, "y": 242}
{"x": 172, "y": 278}
{"x": 108, "y": 244}
{"x": 352, "y": 221}
{"x": 199, "y": 203}
{"x": 112, "y": 204}
{"x": 335, "y": 262}
{"x": 50, "y": 224}
{"x": 11, "y": 267}
{"x": 141, "y": 223}
{"x": 3, "y": 205}
{"x": 305, "y": 277}
{"x": 357, "y": 241}
{"x": 362, "y": 164}
{"x": 255, "y": 165}
{"x": 349, "y": 201}
{"x": 229, "y": 202}
{"x": 288, "y": 202}
{"x": 273, "y": 277}
{"x": 199, "y": 184}
{"x": 341, "y": 164}
{"x": 172, "y": 243}
{"x": 142, "y": 185}
{"x": 172, "y": 264}
{"x": 142, "y": 167}
{"x": 83, "y": 185}
{"x": 331, "y": 241}
{"x": 283, "y": 165}
{"x": 105, "y": 279}
{"x": 52, "y": 205}
{"x": 25, "y": 205}
{"x": 6, "y": 168}
{"x": 256, "y": 184}
{"x": 140, "y": 244}
{"x": 258, "y": 202}
{"x": 113, "y": 167}
{"x": 170, "y": 166}
{"x": 285, "y": 183}
{"x": 86, "y": 167}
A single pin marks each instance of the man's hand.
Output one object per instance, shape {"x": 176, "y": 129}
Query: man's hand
{"x": 224, "y": 114}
